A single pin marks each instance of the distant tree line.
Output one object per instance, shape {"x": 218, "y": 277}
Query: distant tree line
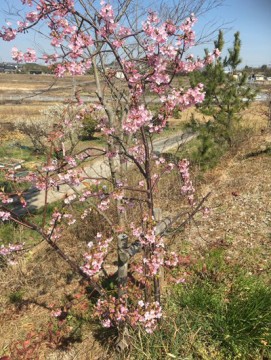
{"x": 264, "y": 69}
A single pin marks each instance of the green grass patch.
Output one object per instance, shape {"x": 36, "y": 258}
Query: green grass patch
{"x": 13, "y": 233}
{"x": 222, "y": 313}
{"x": 16, "y": 151}
{"x": 16, "y": 297}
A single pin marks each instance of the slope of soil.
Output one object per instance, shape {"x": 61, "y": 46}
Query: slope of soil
{"x": 240, "y": 216}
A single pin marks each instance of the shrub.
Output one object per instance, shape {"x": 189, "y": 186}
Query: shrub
{"x": 89, "y": 128}
{"x": 226, "y": 95}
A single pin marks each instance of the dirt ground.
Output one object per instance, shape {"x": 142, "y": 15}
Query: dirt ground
{"x": 240, "y": 216}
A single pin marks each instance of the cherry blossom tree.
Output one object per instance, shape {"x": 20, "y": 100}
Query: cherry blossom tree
{"x": 146, "y": 61}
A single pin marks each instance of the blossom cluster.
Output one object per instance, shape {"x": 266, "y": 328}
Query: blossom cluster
{"x": 11, "y": 248}
{"x": 29, "y": 56}
{"x": 187, "y": 188}
{"x": 4, "y": 215}
{"x": 95, "y": 257}
{"x": 113, "y": 311}
{"x": 151, "y": 264}
{"x": 137, "y": 118}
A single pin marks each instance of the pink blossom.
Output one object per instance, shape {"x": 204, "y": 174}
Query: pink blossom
{"x": 17, "y": 55}
{"x": 22, "y": 25}
{"x": 8, "y": 33}
{"x": 153, "y": 312}
{"x": 71, "y": 177}
{"x": 117, "y": 43}
{"x": 136, "y": 118}
{"x": 124, "y": 31}
{"x": 104, "y": 204}
{"x": 60, "y": 70}
{"x": 172, "y": 260}
{"x": 71, "y": 219}
{"x": 32, "y": 16}
{"x": 5, "y": 251}
{"x": 154, "y": 262}
{"x": 180, "y": 281}
{"x": 170, "y": 27}
{"x": 30, "y": 56}
{"x": 71, "y": 161}
{"x": 107, "y": 13}
{"x": 5, "y": 199}
{"x": 69, "y": 198}
{"x": 4, "y": 215}
{"x": 112, "y": 311}
{"x": 206, "y": 212}
{"x": 50, "y": 58}
{"x": 118, "y": 195}
{"x": 56, "y": 313}
{"x": 56, "y": 41}
{"x": 187, "y": 188}
{"x": 95, "y": 258}
{"x": 217, "y": 53}
{"x": 141, "y": 183}
{"x": 106, "y": 323}
{"x": 85, "y": 213}
{"x": 49, "y": 168}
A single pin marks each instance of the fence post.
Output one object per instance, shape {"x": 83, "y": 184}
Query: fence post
{"x": 159, "y": 279}
{"x": 122, "y": 264}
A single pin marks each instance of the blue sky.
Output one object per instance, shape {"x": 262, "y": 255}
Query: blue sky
{"x": 251, "y": 17}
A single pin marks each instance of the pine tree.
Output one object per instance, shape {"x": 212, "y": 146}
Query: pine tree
{"x": 227, "y": 94}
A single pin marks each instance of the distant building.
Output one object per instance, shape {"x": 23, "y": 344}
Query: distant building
{"x": 258, "y": 77}
{"x": 7, "y": 67}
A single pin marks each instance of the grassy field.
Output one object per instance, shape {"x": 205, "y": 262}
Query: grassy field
{"x": 20, "y": 83}
{"x": 20, "y": 86}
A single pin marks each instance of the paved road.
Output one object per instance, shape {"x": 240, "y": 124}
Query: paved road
{"x": 165, "y": 144}
{"x": 47, "y": 98}
{"x": 99, "y": 168}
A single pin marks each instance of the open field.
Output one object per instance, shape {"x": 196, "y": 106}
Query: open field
{"x": 24, "y": 83}
{"x": 23, "y": 95}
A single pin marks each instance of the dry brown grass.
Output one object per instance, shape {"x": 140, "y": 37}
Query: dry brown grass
{"x": 32, "y": 82}
{"x": 255, "y": 116}
{"x": 16, "y": 93}
{"x": 41, "y": 278}
{"x": 240, "y": 205}
{"x": 15, "y": 112}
